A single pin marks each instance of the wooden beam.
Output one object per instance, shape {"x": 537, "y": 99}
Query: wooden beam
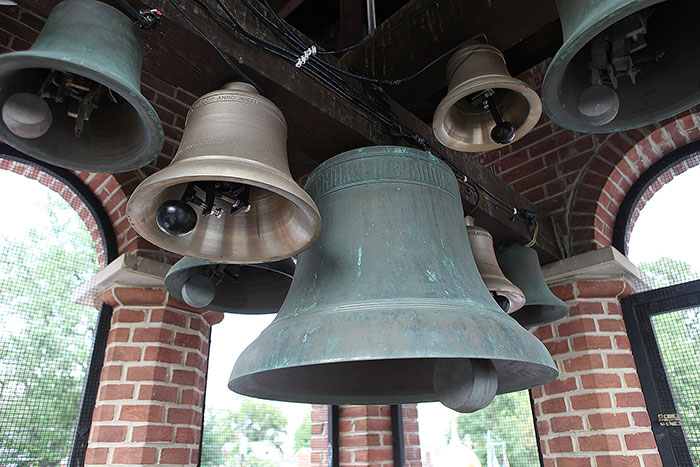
{"x": 321, "y": 123}
{"x": 285, "y": 8}
{"x": 437, "y": 30}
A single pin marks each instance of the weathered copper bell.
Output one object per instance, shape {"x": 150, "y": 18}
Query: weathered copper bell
{"x": 388, "y": 306}
{"x": 228, "y": 195}
{"x": 485, "y": 107}
{"x": 522, "y": 266}
{"x": 232, "y": 288}
{"x": 73, "y": 98}
{"x": 508, "y": 296}
{"x": 624, "y": 64}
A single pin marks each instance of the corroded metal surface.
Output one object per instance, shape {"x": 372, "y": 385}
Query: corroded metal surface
{"x": 522, "y": 267}
{"x": 388, "y": 290}
{"x": 96, "y": 41}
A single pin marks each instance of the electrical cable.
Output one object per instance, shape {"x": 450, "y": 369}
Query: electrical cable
{"x": 330, "y": 76}
{"x": 223, "y": 54}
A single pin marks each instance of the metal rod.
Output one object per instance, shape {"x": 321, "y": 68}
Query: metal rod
{"x": 371, "y": 17}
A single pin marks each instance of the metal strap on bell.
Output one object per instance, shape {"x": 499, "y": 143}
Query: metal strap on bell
{"x": 508, "y": 296}
{"x": 228, "y": 196}
{"x": 388, "y": 306}
{"x": 485, "y": 107}
{"x": 624, "y": 64}
{"x": 73, "y": 99}
{"x": 522, "y": 266}
{"x": 231, "y": 288}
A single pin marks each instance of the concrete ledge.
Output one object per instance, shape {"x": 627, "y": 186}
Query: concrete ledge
{"x": 603, "y": 264}
{"x": 128, "y": 270}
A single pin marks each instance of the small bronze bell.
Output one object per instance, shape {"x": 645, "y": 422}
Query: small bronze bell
{"x": 388, "y": 307}
{"x": 228, "y": 196}
{"x": 73, "y": 99}
{"x": 522, "y": 266}
{"x": 231, "y": 288}
{"x": 508, "y": 296}
{"x": 485, "y": 107}
{"x": 624, "y": 64}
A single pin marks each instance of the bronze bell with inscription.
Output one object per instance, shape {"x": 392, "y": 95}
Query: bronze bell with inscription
{"x": 388, "y": 306}
{"x": 508, "y": 296}
{"x": 485, "y": 108}
{"x": 228, "y": 195}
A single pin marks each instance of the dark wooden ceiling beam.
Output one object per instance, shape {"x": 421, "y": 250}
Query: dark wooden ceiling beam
{"x": 438, "y": 29}
{"x": 321, "y": 123}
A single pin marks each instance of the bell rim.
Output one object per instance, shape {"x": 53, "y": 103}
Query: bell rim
{"x": 552, "y": 312}
{"x": 15, "y": 61}
{"x": 163, "y": 179}
{"x": 245, "y": 385}
{"x": 570, "y": 48}
{"x": 477, "y": 84}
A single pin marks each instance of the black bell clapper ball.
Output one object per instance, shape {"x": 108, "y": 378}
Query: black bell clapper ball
{"x": 503, "y": 302}
{"x": 503, "y": 133}
{"x": 176, "y": 218}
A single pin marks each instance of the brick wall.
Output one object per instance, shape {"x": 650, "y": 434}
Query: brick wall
{"x": 579, "y": 178}
{"x": 150, "y": 402}
{"x": 365, "y": 435}
{"x": 594, "y": 414}
{"x": 412, "y": 455}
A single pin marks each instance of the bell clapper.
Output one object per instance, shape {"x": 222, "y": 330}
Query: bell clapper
{"x": 465, "y": 385}
{"x": 503, "y": 132}
{"x": 198, "y": 291}
{"x": 502, "y": 301}
{"x": 178, "y": 218}
{"x": 614, "y": 53}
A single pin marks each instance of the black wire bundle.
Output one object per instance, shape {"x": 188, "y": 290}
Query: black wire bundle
{"x": 368, "y": 98}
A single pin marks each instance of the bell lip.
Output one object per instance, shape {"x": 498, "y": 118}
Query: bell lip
{"x": 245, "y": 385}
{"x": 578, "y": 39}
{"x": 547, "y": 312}
{"x": 188, "y": 267}
{"x": 477, "y": 84}
{"x": 285, "y": 329}
{"x": 47, "y": 60}
{"x": 162, "y": 179}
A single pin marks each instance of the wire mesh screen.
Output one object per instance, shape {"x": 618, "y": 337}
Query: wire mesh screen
{"x": 46, "y": 255}
{"x": 502, "y": 434}
{"x": 241, "y": 431}
{"x": 660, "y": 229}
{"x": 678, "y": 336}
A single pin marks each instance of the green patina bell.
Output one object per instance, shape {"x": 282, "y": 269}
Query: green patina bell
{"x": 624, "y": 64}
{"x": 73, "y": 99}
{"x": 231, "y": 288}
{"x": 388, "y": 305}
{"x": 522, "y": 267}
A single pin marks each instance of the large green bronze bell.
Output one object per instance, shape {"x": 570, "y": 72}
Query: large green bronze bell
{"x": 624, "y": 64}
{"x": 522, "y": 267}
{"x": 388, "y": 306}
{"x": 232, "y": 288}
{"x": 73, "y": 99}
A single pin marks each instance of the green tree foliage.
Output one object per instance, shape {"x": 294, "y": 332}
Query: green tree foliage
{"x": 509, "y": 417}
{"x": 226, "y": 430}
{"x": 302, "y": 437}
{"x": 667, "y": 271}
{"x": 45, "y": 338}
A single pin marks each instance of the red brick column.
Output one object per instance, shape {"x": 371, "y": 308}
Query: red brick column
{"x": 150, "y": 400}
{"x": 319, "y": 435}
{"x": 594, "y": 414}
{"x": 411, "y": 439}
{"x": 365, "y": 436}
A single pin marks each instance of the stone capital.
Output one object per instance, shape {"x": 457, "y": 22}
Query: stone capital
{"x": 604, "y": 264}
